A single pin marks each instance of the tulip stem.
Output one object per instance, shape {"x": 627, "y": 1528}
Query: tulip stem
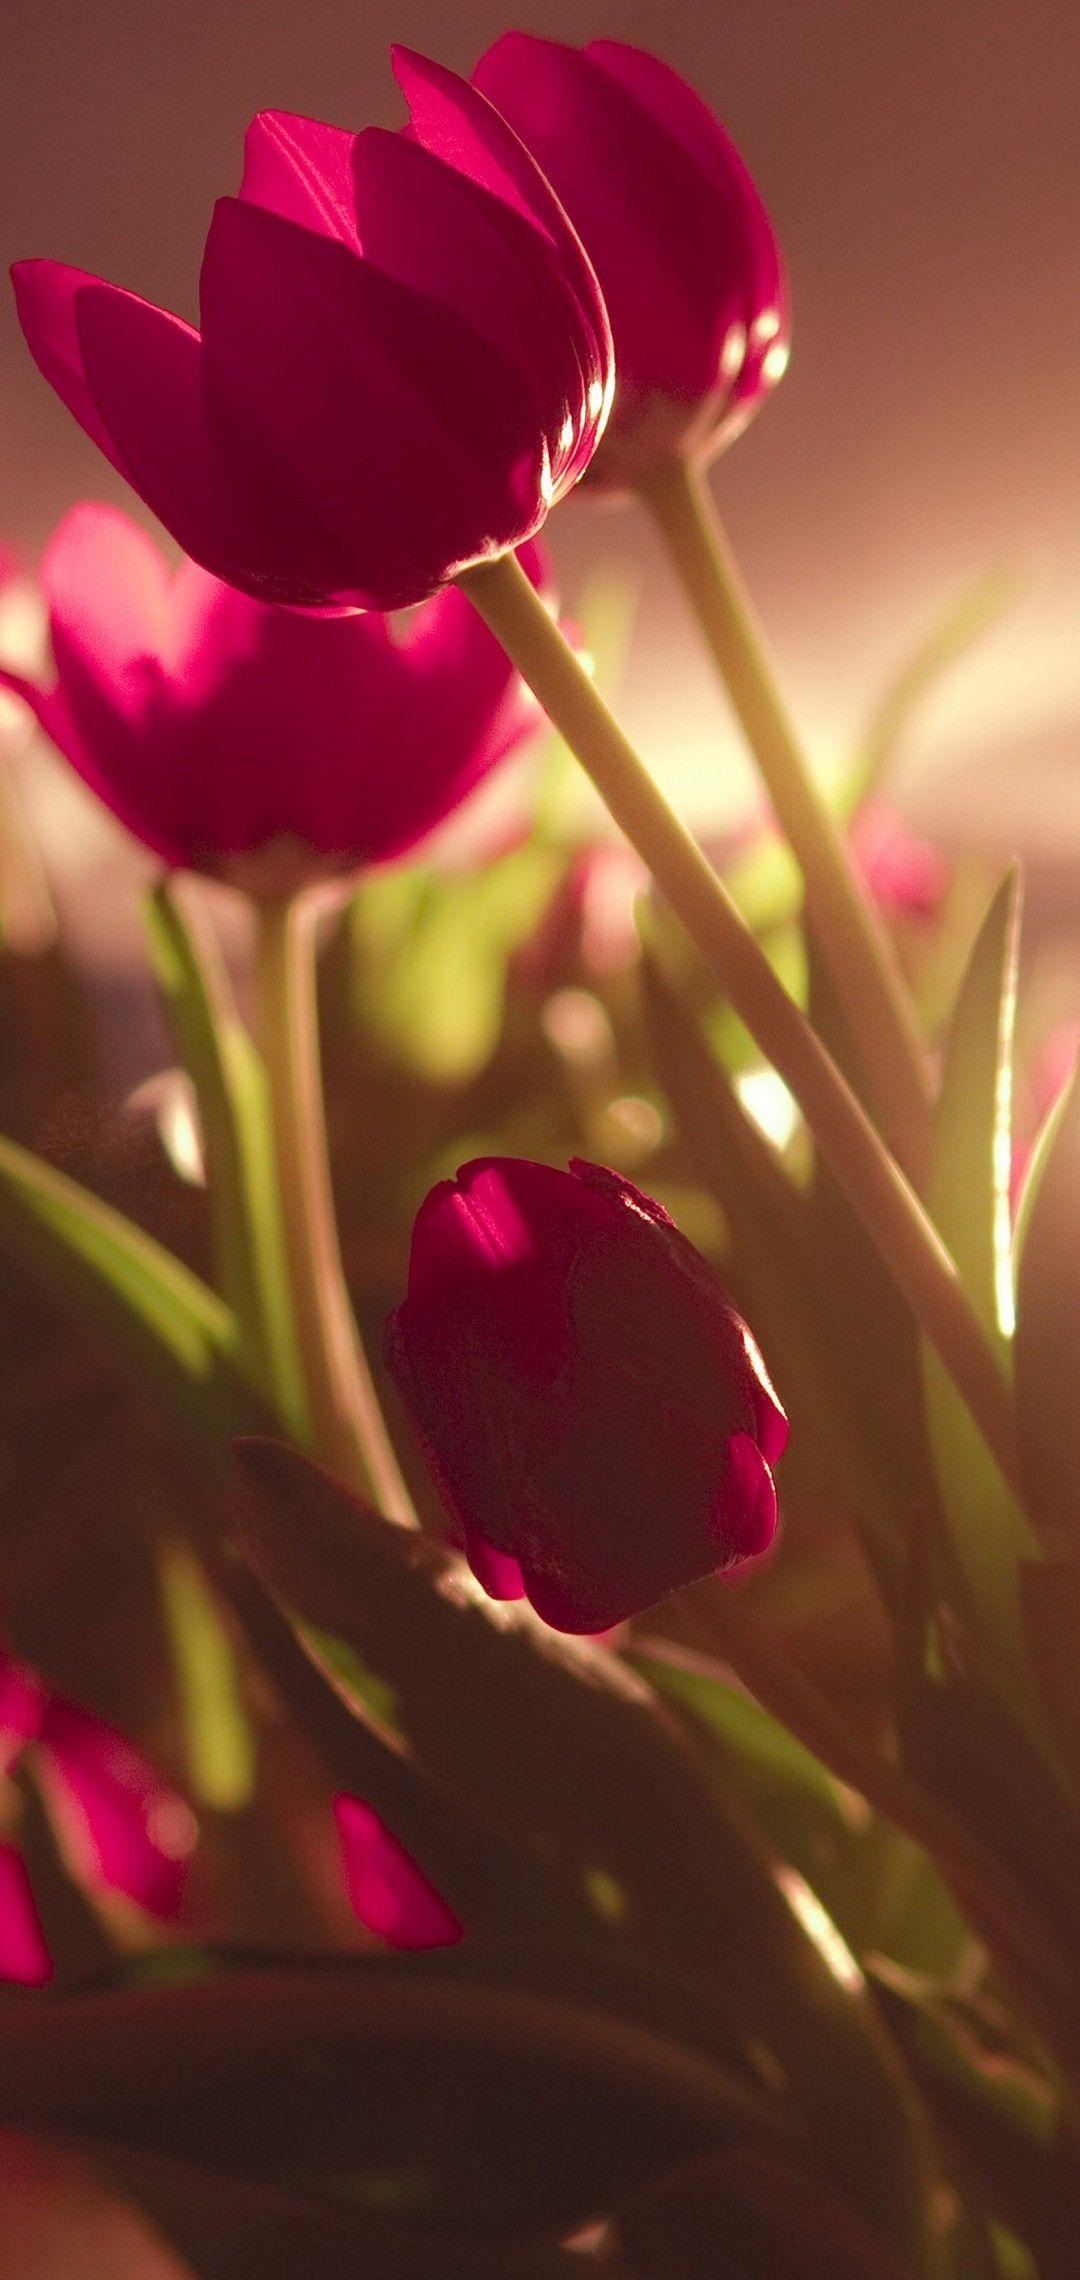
{"x": 854, "y": 1152}
{"x": 840, "y": 914}
{"x": 348, "y": 1431}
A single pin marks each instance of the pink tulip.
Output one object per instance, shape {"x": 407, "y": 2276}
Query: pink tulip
{"x": 683, "y": 247}
{"x": 387, "y": 1892}
{"x": 404, "y": 358}
{"x": 907, "y": 877}
{"x": 594, "y": 1410}
{"x": 119, "y": 1826}
{"x": 234, "y": 737}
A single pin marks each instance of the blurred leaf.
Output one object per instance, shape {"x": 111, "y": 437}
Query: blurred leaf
{"x": 557, "y": 1744}
{"x": 411, "y": 2095}
{"x": 253, "y": 2229}
{"x": 1004, "y": 2118}
{"x": 118, "y": 1281}
{"x": 871, "y": 1333}
{"x": 968, "y": 1198}
{"x": 220, "y": 1747}
{"x": 751, "y": 2215}
{"x": 429, "y": 955}
{"x": 775, "y": 1770}
{"x": 234, "y": 1118}
{"x": 880, "y": 1890}
{"x": 1048, "y": 1325}
{"x": 956, "y": 630}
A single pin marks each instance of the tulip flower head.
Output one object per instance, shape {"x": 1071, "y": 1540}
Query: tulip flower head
{"x": 593, "y": 1408}
{"x": 263, "y": 744}
{"x": 683, "y": 247}
{"x": 404, "y": 358}
{"x": 118, "y": 1825}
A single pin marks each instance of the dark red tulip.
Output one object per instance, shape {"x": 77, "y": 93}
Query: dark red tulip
{"x": 594, "y": 1410}
{"x": 263, "y": 743}
{"x": 681, "y": 242}
{"x": 404, "y": 358}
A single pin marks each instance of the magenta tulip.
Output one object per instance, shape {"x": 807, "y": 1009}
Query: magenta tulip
{"x": 260, "y": 743}
{"x": 683, "y": 247}
{"x": 404, "y": 358}
{"x": 388, "y": 1894}
{"x": 595, "y": 1412}
{"x": 119, "y": 1826}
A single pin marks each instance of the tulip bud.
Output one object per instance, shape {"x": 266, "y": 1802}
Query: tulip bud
{"x": 264, "y": 745}
{"x": 683, "y": 247}
{"x": 593, "y": 1408}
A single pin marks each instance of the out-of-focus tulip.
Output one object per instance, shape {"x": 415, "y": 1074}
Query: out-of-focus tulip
{"x": 683, "y": 247}
{"x": 119, "y": 1826}
{"x": 262, "y": 743}
{"x": 594, "y": 1410}
{"x": 404, "y": 358}
{"x": 24, "y": 1957}
{"x": 387, "y": 1892}
{"x": 907, "y": 877}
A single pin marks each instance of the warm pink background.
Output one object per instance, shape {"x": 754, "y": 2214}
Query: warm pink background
{"x": 921, "y": 160}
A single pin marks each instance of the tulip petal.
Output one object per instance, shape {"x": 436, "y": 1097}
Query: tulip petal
{"x": 745, "y": 1517}
{"x": 388, "y": 1894}
{"x": 145, "y": 370}
{"x": 457, "y": 123}
{"x": 46, "y": 297}
{"x": 433, "y": 229}
{"x": 121, "y": 1826}
{"x": 301, "y": 169}
{"x": 24, "y": 1957}
{"x": 396, "y": 445}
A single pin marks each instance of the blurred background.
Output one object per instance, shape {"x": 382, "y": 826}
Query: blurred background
{"x": 920, "y": 161}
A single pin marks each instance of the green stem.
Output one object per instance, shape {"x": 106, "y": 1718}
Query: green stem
{"x": 853, "y": 1150}
{"x": 348, "y": 1432}
{"x": 844, "y": 923}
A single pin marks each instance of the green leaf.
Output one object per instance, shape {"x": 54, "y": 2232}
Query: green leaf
{"x": 968, "y": 1198}
{"x": 231, "y": 1090}
{"x": 220, "y": 1744}
{"x": 118, "y": 1281}
{"x": 877, "y": 1886}
{"x": 430, "y": 951}
{"x": 1004, "y": 2116}
{"x": 959, "y": 626}
{"x": 562, "y": 1748}
{"x": 1048, "y": 1324}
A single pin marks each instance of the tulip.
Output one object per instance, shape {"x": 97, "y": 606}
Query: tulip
{"x": 260, "y": 743}
{"x": 119, "y": 1827}
{"x": 388, "y": 1894}
{"x": 404, "y": 358}
{"x": 593, "y": 1409}
{"x": 683, "y": 247}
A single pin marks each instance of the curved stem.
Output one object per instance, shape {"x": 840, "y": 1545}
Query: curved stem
{"x": 347, "y": 1427}
{"x": 852, "y": 941}
{"x": 872, "y": 1181}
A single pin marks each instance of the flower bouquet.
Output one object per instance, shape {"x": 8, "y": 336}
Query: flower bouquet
{"x": 539, "y": 1717}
